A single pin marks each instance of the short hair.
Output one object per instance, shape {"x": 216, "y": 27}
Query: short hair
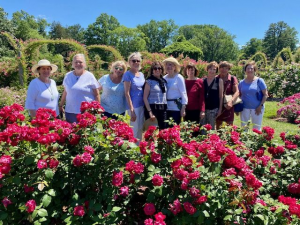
{"x": 225, "y": 64}
{"x": 191, "y": 65}
{"x": 79, "y": 55}
{"x": 137, "y": 55}
{"x": 211, "y": 64}
{"x": 156, "y": 63}
{"x": 251, "y": 63}
{"x": 122, "y": 63}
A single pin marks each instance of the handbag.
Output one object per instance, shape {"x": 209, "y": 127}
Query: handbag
{"x": 238, "y": 107}
{"x": 228, "y": 98}
{"x": 259, "y": 94}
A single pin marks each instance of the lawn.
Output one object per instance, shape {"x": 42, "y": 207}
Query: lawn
{"x": 269, "y": 120}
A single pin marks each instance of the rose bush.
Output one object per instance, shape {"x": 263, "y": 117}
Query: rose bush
{"x": 290, "y": 108}
{"x": 93, "y": 172}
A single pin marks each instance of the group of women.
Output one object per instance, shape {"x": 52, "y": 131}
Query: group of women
{"x": 163, "y": 95}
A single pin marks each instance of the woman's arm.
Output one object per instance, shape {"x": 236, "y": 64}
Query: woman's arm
{"x": 32, "y": 94}
{"x": 128, "y": 99}
{"x": 62, "y": 102}
{"x": 265, "y": 96}
{"x": 145, "y": 98}
{"x": 201, "y": 98}
{"x": 221, "y": 96}
{"x": 182, "y": 90}
{"x": 96, "y": 94}
{"x": 236, "y": 94}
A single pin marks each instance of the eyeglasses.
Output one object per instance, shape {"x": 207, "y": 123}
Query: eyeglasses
{"x": 119, "y": 68}
{"x": 135, "y": 61}
{"x": 157, "y": 68}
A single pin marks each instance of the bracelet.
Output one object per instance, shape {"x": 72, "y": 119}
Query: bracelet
{"x": 149, "y": 110}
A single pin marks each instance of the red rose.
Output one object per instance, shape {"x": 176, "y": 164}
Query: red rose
{"x": 189, "y": 208}
{"x": 160, "y": 216}
{"x": 79, "y": 211}
{"x": 155, "y": 157}
{"x": 175, "y": 208}
{"x": 86, "y": 158}
{"x": 117, "y": 178}
{"x": 6, "y": 202}
{"x": 42, "y": 164}
{"x": 157, "y": 180}
{"x": 149, "y": 209}
{"x": 77, "y": 161}
{"x": 124, "y": 191}
{"x": 53, "y": 163}
{"x": 89, "y": 149}
{"x": 30, "y": 206}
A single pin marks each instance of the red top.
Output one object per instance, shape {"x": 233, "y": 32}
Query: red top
{"x": 195, "y": 93}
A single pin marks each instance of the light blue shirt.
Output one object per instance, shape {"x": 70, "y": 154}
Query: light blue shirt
{"x": 113, "y": 95}
{"x": 249, "y": 92}
{"x": 136, "y": 88}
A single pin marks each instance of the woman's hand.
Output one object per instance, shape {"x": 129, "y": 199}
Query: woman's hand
{"x": 202, "y": 115}
{"x": 133, "y": 116}
{"x": 228, "y": 105}
{"x": 152, "y": 117}
{"x": 182, "y": 112}
{"x": 258, "y": 110}
{"x": 219, "y": 113}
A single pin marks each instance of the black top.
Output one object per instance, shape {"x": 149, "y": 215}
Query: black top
{"x": 212, "y": 100}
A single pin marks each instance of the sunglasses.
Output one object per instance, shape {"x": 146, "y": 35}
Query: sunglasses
{"x": 119, "y": 68}
{"x": 157, "y": 68}
{"x": 135, "y": 61}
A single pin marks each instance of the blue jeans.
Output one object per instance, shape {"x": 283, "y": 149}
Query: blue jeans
{"x": 71, "y": 117}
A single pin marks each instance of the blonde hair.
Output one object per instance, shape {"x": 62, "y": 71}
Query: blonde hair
{"x": 81, "y": 56}
{"x": 174, "y": 62}
{"x": 137, "y": 55}
{"x": 211, "y": 64}
{"x": 121, "y": 63}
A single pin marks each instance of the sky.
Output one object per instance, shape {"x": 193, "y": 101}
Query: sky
{"x": 243, "y": 19}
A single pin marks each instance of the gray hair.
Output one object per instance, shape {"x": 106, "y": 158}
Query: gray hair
{"x": 81, "y": 56}
{"x": 137, "y": 55}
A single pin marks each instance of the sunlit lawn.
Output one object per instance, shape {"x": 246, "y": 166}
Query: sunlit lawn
{"x": 268, "y": 120}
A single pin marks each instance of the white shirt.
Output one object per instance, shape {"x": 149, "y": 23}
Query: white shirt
{"x": 79, "y": 89}
{"x": 42, "y": 95}
{"x": 176, "y": 89}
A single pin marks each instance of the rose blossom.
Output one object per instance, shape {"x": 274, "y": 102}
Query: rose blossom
{"x": 148, "y": 222}
{"x": 86, "y": 158}
{"x": 149, "y": 209}
{"x": 89, "y": 149}
{"x": 201, "y": 200}
{"x": 117, "y": 178}
{"x": 155, "y": 157}
{"x": 6, "y": 202}
{"x": 30, "y": 206}
{"x": 77, "y": 161}
{"x": 42, "y": 164}
{"x": 79, "y": 211}
{"x": 53, "y": 163}
{"x": 157, "y": 180}
{"x": 189, "y": 208}
{"x": 124, "y": 191}
{"x": 176, "y": 207}
{"x": 160, "y": 217}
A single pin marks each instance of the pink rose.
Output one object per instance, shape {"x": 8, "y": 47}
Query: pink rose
{"x": 86, "y": 158}
{"x": 159, "y": 216}
{"x": 77, "y": 161}
{"x": 30, "y": 206}
{"x": 6, "y": 202}
{"x": 149, "y": 209}
{"x": 89, "y": 149}
{"x": 79, "y": 211}
{"x": 155, "y": 157}
{"x": 124, "y": 191}
{"x": 117, "y": 178}
{"x": 157, "y": 180}
{"x": 42, "y": 164}
{"x": 53, "y": 163}
{"x": 189, "y": 208}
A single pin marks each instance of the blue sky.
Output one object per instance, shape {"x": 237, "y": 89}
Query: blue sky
{"x": 244, "y": 19}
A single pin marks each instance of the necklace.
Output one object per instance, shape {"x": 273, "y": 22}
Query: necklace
{"x": 50, "y": 90}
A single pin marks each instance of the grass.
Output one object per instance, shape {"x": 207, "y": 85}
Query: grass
{"x": 268, "y": 120}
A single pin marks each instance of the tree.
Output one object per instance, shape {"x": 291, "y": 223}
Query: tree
{"x": 57, "y": 31}
{"x": 159, "y": 33}
{"x": 6, "y": 25}
{"x": 253, "y": 46}
{"x": 128, "y": 40}
{"x": 279, "y": 35}
{"x": 182, "y": 46}
{"x": 215, "y": 43}
{"x": 76, "y": 32}
{"x": 99, "y": 32}
{"x": 27, "y": 26}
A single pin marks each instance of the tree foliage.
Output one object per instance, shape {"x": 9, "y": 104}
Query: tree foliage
{"x": 6, "y": 26}
{"x": 159, "y": 33}
{"x": 253, "y": 46}
{"x": 279, "y": 35}
{"x": 215, "y": 43}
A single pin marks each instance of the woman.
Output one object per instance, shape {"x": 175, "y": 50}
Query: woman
{"x": 155, "y": 95}
{"x": 133, "y": 86}
{"x": 79, "y": 86}
{"x": 213, "y": 95}
{"x": 254, "y": 94}
{"x": 176, "y": 94}
{"x": 42, "y": 91}
{"x": 112, "y": 86}
{"x": 230, "y": 88}
{"x": 195, "y": 109}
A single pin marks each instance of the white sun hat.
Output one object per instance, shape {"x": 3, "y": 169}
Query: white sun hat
{"x": 43, "y": 62}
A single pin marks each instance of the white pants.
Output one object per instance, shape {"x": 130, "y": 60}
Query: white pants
{"x": 137, "y": 125}
{"x": 246, "y": 114}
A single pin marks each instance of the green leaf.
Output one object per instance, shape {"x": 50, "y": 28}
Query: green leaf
{"x": 206, "y": 214}
{"x": 42, "y": 212}
{"x": 17, "y": 180}
{"x": 29, "y": 160}
{"x": 260, "y": 217}
{"x": 3, "y": 215}
{"x": 49, "y": 174}
{"x": 228, "y": 217}
{"x": 238, "y": 211}
{"x": 34, "y": 214}
{"x": 52, "y": 192}
{"x": 43, "y": 219}
{"x": 116, "y": 209}
{"x": 37, "y": 223}
{"x": 75, "y": 197}
{"x": 46, "y": 200}
{"x": 151, "y": 168}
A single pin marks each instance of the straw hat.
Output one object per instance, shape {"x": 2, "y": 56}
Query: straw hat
{"x": 174, "y": 61}
{"x": 43, "y": 62}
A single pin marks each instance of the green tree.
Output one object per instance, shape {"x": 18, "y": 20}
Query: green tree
{"x": 215, "y": 43}
{"x": 27, "y": 26}
{"x": 279, "y": 35}
{"x": 76, "y": 32}
{"x": 182, "y": 46}
{"x": 253, "y": 46}
{"x": 99, "y": 31}
{"x": 6, "y": 25}
{"x": 128, "y": 40}
{"x": 57, "y": 31}
{"x": 159, "y": 33}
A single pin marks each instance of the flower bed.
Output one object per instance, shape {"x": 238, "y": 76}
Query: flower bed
{"x": 52, "y": 172}
{"x": 290, "y": 108}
